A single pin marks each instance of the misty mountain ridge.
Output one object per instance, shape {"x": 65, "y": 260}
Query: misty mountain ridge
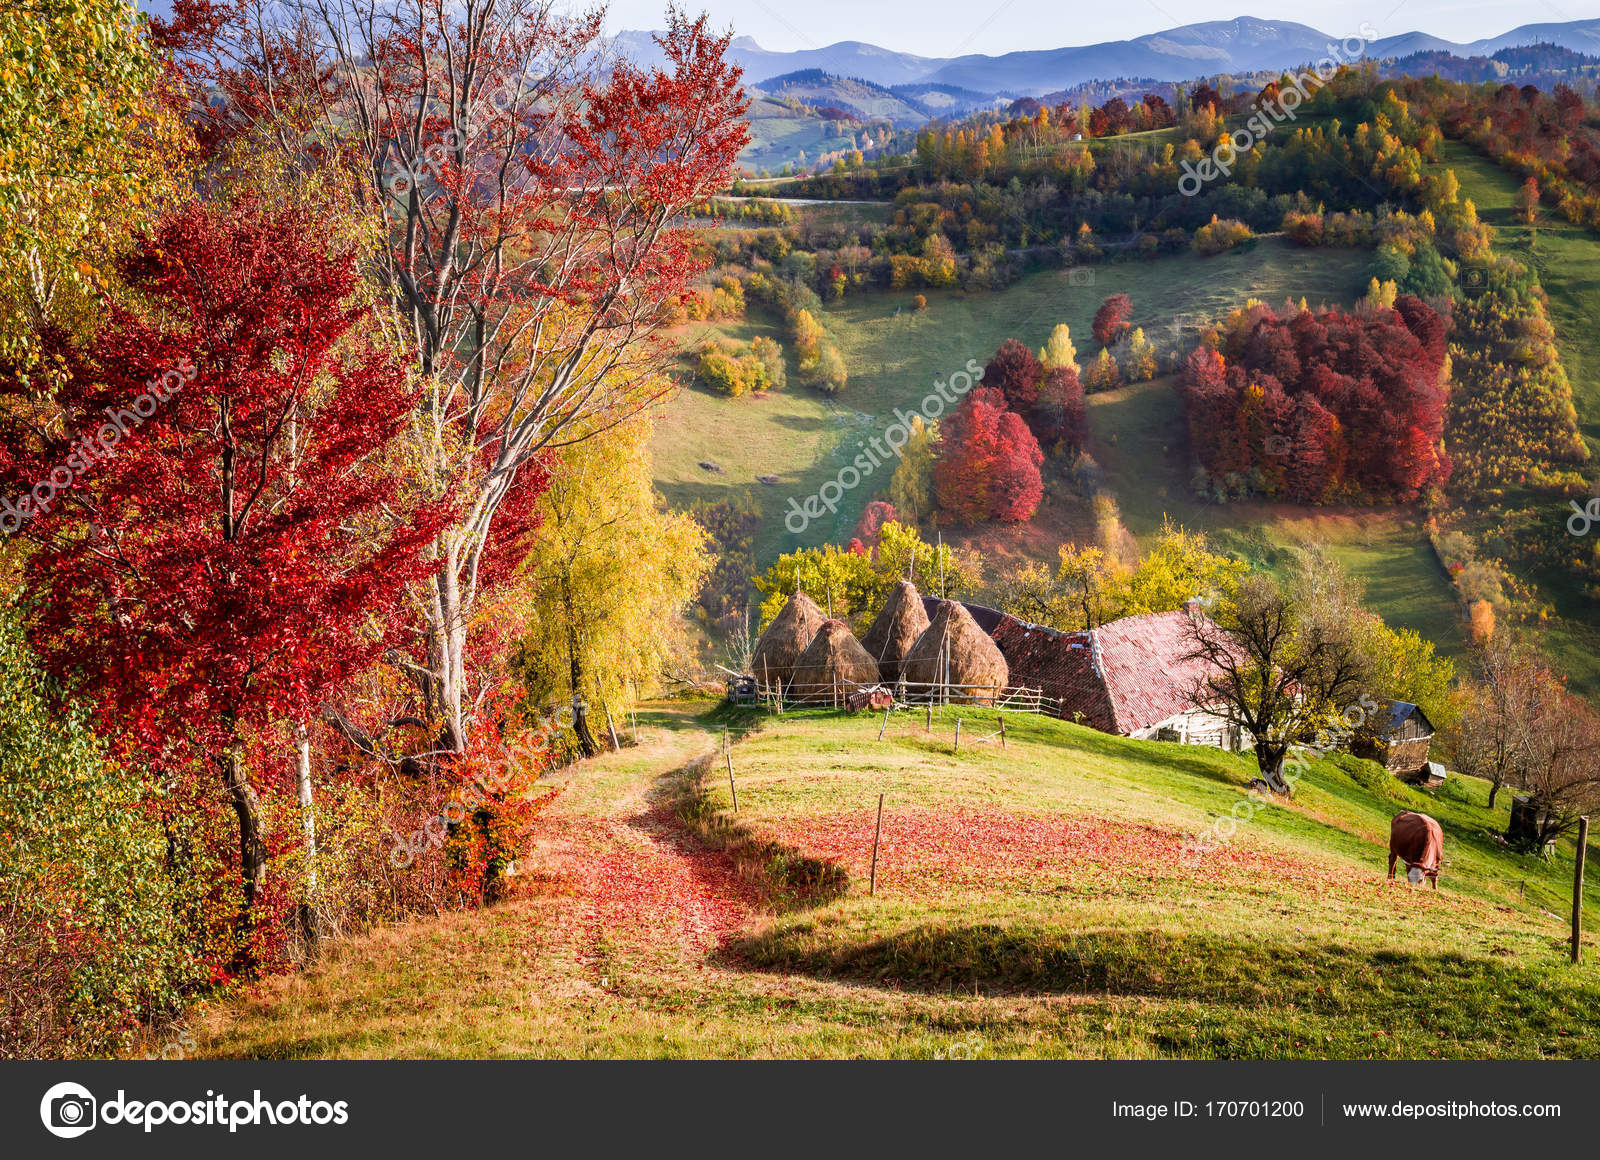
{"x": 1243, "y": 45}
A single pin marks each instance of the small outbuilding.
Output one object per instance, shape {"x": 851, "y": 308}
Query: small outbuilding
{"x": 955, "y": 659}
{"x": 786, "y": 639}
{"x": 1399, "y": 739}
{"x": 832, "y": 667}
{"x": 895, "y": 630}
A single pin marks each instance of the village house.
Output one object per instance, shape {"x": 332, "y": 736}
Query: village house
{"x": 1130, "y": 677}
{"x": 1399, "y": 741}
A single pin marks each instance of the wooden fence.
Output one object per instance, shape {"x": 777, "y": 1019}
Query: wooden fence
{"x": 747, "y": 690}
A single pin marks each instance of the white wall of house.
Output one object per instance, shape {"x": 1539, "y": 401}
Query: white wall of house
{"x": 1198, "y": 727}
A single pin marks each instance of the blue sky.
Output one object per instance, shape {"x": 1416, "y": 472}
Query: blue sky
{"x": 954, "y": 27}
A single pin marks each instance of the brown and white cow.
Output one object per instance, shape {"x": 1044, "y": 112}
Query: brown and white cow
{"x": 1416, "y": 840}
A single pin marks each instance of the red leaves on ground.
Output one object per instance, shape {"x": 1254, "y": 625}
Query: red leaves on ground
{"x": 644, "y": 882}
{"x": 925, "y": 849}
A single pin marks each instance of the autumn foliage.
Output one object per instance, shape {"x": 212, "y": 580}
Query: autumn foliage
{"x": 239, "y": 547}
{"x": 1111, "y": 320}
{"x": 988, "y": 463}
{"x": 1321, "y": 406}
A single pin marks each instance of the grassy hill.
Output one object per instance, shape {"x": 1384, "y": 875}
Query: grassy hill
{"x": 780, "y": 134}
{"x": 895, "y": 353}
{"x": 1567, "y": 260}
{"x": 1031, "y": 901}
{"x": 1138, "y": 436}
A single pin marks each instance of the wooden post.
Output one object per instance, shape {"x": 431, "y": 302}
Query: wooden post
{"x": 957, "y": 749}
{"x": 885, "y": 724}
{"x": 616, "y": 746}
{"x": 1577, "y": 889}
{"x": 872, "y": 882}
{"x": 1002, "y": 717}
{"x": 732, "y": 789}
{"x": 928, "y": 725}
{"x": 725, "y": 747}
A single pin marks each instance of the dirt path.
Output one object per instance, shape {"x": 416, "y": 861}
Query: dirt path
{"x": 635, "y": 880}
{"x": 616, "y": 925}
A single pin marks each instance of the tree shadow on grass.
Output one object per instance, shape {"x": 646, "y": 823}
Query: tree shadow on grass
{"x": 785, "y": 878}
{"x": 1319, "y": 977}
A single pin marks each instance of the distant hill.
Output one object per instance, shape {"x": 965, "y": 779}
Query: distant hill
{"x": 904, "y": 106}
{"x": 849, "y": 58}
{"x": 1243, "y": 45}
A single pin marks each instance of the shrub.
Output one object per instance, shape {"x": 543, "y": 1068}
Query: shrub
{"x": 1111, "y": 320}
{"x": 1219, "y": 235}
{"x": 90, "y": 946}
{"x": 733, "y": 369}
{"x": 1103, "y": 374}
{"x": 1140, "y": 358}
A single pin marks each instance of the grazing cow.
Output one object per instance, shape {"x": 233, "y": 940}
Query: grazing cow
{"x": 1416, "y": 840}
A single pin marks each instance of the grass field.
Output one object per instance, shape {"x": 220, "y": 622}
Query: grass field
{"x": 894, "y": 355}
{"x": 1138, "y": 437}
{"x": 1031, "y": 901}
{"x": 1567, "y": 259}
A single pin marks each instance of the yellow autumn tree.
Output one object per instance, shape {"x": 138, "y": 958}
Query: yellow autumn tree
{"x": 1058, "y": 351}
{"x": 88, "y": 149}
{"x": 603, "y": 594}
{"x": 911, "y": 486}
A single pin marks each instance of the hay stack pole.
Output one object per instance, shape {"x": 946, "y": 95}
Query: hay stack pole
{"x": 895, "y": 629}
{"x": 954, "y": 651}
{"x": 786, "y": 638}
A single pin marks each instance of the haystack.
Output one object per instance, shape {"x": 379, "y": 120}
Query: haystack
{"x": 831, "y": 668}
{"x": 789, "y": 635}
{"x": 896, "y": 629}
{"x": 973, "y": 659}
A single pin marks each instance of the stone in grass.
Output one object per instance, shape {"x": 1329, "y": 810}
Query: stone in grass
{"x": 769, "y": 480}
{"x": 710, "y": 467}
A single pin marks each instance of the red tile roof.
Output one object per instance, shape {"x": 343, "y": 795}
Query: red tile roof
{"x": 1122, "y": 677}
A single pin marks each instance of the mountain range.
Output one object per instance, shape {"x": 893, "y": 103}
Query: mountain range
{"x": 1245, "y": 44}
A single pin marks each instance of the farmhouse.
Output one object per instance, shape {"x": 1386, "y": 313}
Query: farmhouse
{"x": 1400, "y": 741}
{"x": 1130, "y": 676}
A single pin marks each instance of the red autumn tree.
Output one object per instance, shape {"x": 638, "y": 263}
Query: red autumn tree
{"x": 524, "y": 187}
{"x": 1017, "y": 485}
{"x": 870, "y": 526}
{"x": 1111, "y": 320}
{"x": 988, "y": 463}
{"x": 1015, "y": 372}
{"x": 239, "y": 550}
{"x": 1527, "y": 201}
{"x": 1059, "y": 415}
{"x": 1323, "y": 405}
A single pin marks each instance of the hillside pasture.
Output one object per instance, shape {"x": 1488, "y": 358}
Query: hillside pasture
{"x": 895, "y": 353}
{"x": 1034, "y": 901}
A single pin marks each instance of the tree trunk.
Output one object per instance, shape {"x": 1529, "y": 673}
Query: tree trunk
{"x": 441, "y": 675}
{"x": 252, "y": 851}
{"x": 1494, "y": 789}
{"x": 580, "y": 711}
{"x": 308, "y": 826}
{"x": 1269, "y": 759}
